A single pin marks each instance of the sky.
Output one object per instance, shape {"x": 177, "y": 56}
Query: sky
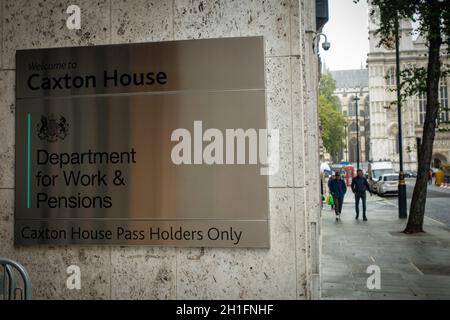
{"x": 347, "y": 31}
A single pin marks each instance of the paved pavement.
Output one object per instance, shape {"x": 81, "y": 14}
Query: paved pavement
{"x": 412, "y": 266}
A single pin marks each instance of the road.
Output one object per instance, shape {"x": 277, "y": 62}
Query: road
{"x": 437, "y": 205}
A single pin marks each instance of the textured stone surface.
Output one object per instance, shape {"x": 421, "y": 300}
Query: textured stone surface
{"x": 279, "y": 116}
{"x": 195, "y": 19}
{"x": 143, "y": 273}
{"x": 47, "y": 265}
{"x": 1, "y": 33}
{"x": 6, "y": 222}
{"x": 141, "y": 20}
{"x": 311, "y": 137}
{"x": 298, "y": 123}
{"x": 241, "y": 273}
{"x": 42, "y": 24}
{"x": 301, "y": 241}
{"x": 295, "y": 27}
{"x": 7, "y": 106}
{"x": 309, "y": 67}
{"x": 52, "y": 285}
{"x": 94, "y": 268}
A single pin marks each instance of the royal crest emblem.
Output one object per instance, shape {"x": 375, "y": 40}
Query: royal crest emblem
{"x": 51, "y": 129}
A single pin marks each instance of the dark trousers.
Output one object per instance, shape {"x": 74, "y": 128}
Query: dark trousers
{"x": 338, "y": 201}
{"x": 361, "y": 196}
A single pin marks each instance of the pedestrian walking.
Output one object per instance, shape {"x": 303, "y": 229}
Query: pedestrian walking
{"x": 359, "y": 188}
{"x": 338, "y": 190}
{"x": 430, "y": 176}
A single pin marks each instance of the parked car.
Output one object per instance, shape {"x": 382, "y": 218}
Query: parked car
{"x": 387, "y": 184}
{"x": 410, "y": 174}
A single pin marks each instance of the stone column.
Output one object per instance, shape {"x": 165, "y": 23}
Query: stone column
{"x": 312, "y": 164}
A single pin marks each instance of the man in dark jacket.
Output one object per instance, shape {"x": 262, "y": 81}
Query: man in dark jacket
{"x": 359, "y": 188}
{"x": 338, "y": 190}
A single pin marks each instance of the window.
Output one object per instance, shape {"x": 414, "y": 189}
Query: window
{"x": 352, "y": 127}
{"x": 351, "y": 106}
{"x": 379, "y": 172}
{"x": 443, "y": 101}
{"x": 422, "y": 108}
{"x": 390, "y": 77}
{"x": 353, "y": 154}
{"x": 391, "y": 178}
{"x": 338, "y": 105}
{"x": 367, "y": 106}
{"x": 444, "y": 115}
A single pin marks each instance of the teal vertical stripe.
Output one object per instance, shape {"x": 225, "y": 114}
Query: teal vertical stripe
{"x": 28, "y": 160}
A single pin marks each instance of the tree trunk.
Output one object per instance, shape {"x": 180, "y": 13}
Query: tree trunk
{"x": 418, "y": 201}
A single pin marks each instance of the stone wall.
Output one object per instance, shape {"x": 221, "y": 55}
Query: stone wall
{"x": 290, "y": 268}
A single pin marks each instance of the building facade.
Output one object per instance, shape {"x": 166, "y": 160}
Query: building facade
{"x": 383, "y": 110}
{"x": 289, "y": 269}
{"x": 352, "y": 90}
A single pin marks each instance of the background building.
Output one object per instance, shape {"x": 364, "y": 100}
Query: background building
{"x": 383, "y": 112}
{"x": 351, "y": 84}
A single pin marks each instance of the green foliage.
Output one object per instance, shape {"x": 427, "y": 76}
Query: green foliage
{"x": 331, "y": 120}
{"x": 423, "y": 12}
{"x": 327, "y": 86}
{"x": 414, "y": 81}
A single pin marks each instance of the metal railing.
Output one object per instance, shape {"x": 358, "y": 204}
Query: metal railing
{"x": 10, "y": 288}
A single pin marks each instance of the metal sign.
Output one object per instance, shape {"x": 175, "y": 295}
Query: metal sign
{"x": 97, "y": 129}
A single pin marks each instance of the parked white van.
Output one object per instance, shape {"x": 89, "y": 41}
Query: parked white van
{"x": 375, "y": 170}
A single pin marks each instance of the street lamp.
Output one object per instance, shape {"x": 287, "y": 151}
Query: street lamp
{"x": 356, "y": 99}
{"x": 402, "y": 211}
{"x": 346, "y": 141}
{"x": 366, "y": 125}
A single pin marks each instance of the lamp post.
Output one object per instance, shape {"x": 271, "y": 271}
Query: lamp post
{"x": 366, "y": 124}
{"x": 346, "y": 142}
{"x": 356, "y": 99}
{"x": 402, "y": 211}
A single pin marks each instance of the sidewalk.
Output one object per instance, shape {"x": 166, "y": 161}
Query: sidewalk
{"x": 412, "y": 266}
{"x": 436, "y": 188}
